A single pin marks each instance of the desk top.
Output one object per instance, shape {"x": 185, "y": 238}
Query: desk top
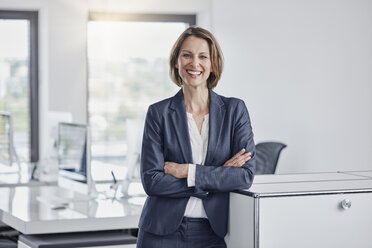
{"x": 310, "y": 184}
{"x": 306, "y": 177}
{"x": 20, "y": 209}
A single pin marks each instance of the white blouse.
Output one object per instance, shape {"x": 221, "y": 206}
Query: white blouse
{"x": 199, "y": 145}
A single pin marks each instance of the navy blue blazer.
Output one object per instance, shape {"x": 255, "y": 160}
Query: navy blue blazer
{"x": 166, "y": 138}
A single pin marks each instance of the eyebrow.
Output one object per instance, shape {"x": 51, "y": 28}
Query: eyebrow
{"x": 191, "y": 52}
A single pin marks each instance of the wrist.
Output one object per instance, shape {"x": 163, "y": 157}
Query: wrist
{"x": 186, "y": 170}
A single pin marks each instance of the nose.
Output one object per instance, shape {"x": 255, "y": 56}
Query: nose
{"x": 195, "y": 62}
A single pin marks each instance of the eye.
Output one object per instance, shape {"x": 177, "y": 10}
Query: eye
{"x": 186, "y": 55}
{"x": 203, "y": 57}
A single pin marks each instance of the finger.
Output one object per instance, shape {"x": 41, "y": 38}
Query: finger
{"x": 239, "y": 153}
{"x": 227, "y": 162}
{"x": 232, "y": 160}
{"x": 244, "y": 156}
{"x": 238, "y": 159}
{"x": 242, "y": 162}
{"x": 235, "y": 159}
{"x": 243, "y": 159}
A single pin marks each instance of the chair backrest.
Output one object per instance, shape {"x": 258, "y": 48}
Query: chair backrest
{"x": 6, "y": 243}
{"x": 267, "y": 156}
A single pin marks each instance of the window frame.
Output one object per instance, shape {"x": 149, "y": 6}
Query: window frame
{"x": 140, "y": 17}
{"x": 132, "y": 17}
{"x": 32, "y": 17}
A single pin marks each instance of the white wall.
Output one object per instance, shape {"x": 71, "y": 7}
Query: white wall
{"x": 304, "y": 70}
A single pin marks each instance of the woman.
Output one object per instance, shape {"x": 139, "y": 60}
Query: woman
{"x": 187, "y": 167}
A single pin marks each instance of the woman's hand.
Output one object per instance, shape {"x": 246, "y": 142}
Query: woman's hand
{"x": 181, "y": 170}
{"x": 176, "y": 170}
{"x": 238, "y": 159}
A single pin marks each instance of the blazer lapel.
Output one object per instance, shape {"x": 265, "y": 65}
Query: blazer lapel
{"x": 216, "y": 116}
{"x": 180, "y": 126}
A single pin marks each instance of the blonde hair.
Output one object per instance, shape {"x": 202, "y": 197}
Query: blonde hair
{"x": 216, "y": 55}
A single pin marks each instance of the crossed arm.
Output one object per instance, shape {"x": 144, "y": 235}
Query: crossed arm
{"x": 181, "y": 170}
{"x": 168, "y": 179}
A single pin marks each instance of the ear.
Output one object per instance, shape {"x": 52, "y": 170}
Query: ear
{"x": 176, "y": 65}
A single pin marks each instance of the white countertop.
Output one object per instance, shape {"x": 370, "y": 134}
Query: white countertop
{"x": 311, "y": 183}
{"x": 20, "y": 209}
{"x": 306, "y": 177}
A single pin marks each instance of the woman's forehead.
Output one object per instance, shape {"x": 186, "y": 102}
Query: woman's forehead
{"x": 195, "y": 44}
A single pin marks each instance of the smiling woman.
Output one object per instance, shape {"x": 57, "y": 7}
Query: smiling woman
{"x": 197, "y": 147}
{"x": 193, "y": 46}
{"x": 194, "y": 64}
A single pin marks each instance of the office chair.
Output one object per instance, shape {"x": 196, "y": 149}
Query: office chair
{"x": 267, "y": 156}
{"x": 8, "y": 237}
{"x": 6, "y": 243}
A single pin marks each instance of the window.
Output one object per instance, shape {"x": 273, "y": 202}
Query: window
{"x": 127, "y": 71}
{"x": 19, "y": 78}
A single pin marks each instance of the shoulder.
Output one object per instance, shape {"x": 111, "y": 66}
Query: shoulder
{"x": 161, "y": 105}
{"x": 231, "y": 103}
{"x": 235, "y": 108}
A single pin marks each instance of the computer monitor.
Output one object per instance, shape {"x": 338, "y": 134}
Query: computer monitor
{"x": 51, "y": 137}
{"x": 8, "y": 153}
{"x": 73, "y": 156}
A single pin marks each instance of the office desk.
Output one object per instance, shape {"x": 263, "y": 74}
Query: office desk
{"x": 303, "y": 210}
{"x": 9, "y": 177}
{"x": 20, "y": 209}
{"x": 14, "y": 180}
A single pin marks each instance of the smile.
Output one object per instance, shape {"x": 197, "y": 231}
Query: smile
{"x": 194, "y": 72}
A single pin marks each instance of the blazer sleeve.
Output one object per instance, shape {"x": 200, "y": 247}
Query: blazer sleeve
{"x": 154, "y": 180}
{"x": 228, "y": 178}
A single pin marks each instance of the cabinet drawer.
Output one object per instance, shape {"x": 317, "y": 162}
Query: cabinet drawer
{"x": 315, "y": 221}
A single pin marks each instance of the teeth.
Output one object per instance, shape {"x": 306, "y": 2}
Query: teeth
{"x": 194, "y": 72}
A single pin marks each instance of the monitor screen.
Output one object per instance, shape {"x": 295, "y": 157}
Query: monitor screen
{"x": 5, "y": 139}
{"x": 72, "y": 151}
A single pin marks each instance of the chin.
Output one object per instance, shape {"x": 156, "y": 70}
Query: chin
{"x": 196, "y": 85}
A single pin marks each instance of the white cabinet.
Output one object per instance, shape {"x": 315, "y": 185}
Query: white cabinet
{"x": 315, "y": 221}
{"x": 335, "y": 212}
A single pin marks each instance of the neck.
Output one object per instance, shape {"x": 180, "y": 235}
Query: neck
{"x": 196, "y": 100}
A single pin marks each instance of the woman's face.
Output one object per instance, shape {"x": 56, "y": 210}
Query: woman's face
{"x": 194, "y": 64}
